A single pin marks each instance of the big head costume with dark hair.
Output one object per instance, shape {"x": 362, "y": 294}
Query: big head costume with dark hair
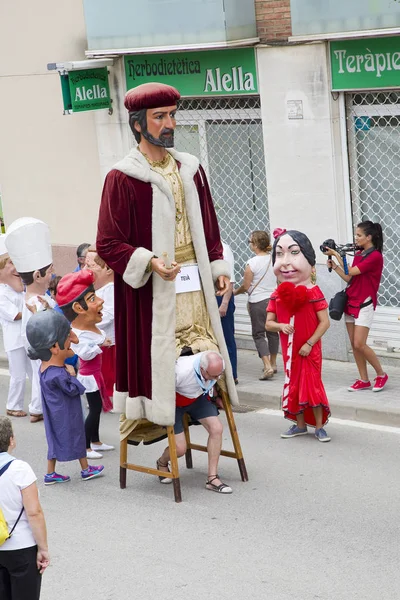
{"x": 290, "y": 264}
{"x": 147, "y": 96}
{"x": 73, "y": 288}
{"x": 45, "y": 329}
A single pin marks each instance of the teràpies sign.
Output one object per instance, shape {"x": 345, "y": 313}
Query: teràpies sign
{"x": 211, "y": 73}
{"x": 365, "y": 64}
{"x": 86, "y": 89}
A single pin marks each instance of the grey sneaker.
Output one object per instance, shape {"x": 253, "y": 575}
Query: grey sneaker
{"x": 294, "y": 431}
{"x": 321, "y": 435}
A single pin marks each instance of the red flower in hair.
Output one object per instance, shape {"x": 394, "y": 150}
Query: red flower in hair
{"x": 278, "y": 231}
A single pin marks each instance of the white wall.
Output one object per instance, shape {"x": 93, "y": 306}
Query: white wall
{"x": 49, "y": 163}
{"x": 303, "y": 157}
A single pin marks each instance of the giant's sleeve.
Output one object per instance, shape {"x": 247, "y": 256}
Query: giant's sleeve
{"x": 114, "y": 227}
{"x": 211, "y": 228}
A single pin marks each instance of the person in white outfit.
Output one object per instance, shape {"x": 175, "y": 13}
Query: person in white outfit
{"x": 28, "y": 244}
{"x": 11, "y": 305}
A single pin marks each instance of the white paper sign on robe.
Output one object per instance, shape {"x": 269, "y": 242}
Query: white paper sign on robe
{"x": 188, "y": 279}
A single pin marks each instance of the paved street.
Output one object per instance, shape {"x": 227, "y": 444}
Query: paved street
{"x": 314, "y": 521}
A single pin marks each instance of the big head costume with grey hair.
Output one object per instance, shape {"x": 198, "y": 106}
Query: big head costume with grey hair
{"x": 45, "y": 329}
{"x": 143, "y": 98}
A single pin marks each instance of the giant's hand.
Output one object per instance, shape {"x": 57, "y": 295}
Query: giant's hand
{"x": 158, "y": 266}
{"x": 223, "y": 285}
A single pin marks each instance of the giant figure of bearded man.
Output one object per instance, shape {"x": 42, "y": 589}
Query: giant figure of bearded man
{"x": 155, "y": 201}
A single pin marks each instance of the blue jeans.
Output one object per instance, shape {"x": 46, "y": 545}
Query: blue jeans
{"x": 228, "y": 326}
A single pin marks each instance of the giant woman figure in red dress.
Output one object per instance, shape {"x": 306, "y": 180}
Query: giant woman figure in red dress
{"x": 298, "y": 311}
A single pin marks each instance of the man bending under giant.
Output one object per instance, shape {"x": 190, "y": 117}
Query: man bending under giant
{"x": 157, "y": 221}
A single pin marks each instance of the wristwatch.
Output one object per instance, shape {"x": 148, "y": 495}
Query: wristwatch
{"x": 310, "y": 343}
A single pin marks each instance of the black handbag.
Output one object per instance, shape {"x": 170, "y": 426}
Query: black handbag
{"x": 337, "y": 305}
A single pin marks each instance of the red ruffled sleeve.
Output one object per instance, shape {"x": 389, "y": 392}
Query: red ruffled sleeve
{"x": 317, "y": 298}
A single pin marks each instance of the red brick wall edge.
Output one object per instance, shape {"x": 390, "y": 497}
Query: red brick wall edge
{"x": 273, "y": 20}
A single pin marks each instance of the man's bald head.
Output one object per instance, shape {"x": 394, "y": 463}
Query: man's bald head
{"x": 212, "y": 365}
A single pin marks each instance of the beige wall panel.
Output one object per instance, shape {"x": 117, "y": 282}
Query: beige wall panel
{"x": 49, "y": 163}
{"x": 36, "y": 33}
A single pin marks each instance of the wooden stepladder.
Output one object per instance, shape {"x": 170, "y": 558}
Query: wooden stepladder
{"x": 174, "y": 474}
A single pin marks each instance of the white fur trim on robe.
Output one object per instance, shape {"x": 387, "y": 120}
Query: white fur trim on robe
{"x": 220, "y": 267}
{"x": 134, "y": 274}
{"x": 160, "y": 408}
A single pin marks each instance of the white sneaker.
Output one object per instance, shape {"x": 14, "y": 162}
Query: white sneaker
{"x": 92, "y": 454}
{"x": 102, "y": 447}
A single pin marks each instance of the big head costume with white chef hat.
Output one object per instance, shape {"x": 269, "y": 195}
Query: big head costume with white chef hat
{"x": 28, "y": 243}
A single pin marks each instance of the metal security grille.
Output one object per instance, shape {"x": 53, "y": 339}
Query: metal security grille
{"x": 226, "y": 135}
{"x": 373, "y": 134}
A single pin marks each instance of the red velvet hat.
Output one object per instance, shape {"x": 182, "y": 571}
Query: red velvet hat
{"x": 73, "y": 285}
{"x": 151, "y": 95}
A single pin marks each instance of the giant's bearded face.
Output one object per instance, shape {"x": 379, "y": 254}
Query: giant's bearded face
{"x": 159, "y": 127}
{"x": 290, "y": 263}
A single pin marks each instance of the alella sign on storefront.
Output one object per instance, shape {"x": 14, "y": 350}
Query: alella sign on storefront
{"x": 365, "y": 64}
{"x": 212, "y": 73}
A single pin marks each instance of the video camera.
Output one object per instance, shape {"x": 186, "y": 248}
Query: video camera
{"x": 341, "y": 249}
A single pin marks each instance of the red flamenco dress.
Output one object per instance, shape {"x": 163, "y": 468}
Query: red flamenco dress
{"x": 303, "y": 389}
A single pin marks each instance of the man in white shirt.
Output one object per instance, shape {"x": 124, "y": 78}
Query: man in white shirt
{"x": 226, "y": 305}
{"x": 195, "y": 376}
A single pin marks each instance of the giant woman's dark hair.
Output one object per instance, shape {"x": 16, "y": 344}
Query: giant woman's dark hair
{"x": 301, "y": 239}
{"x": 375, "y": 231}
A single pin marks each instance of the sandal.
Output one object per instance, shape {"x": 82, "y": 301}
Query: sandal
{"x": 221, "y": 489}
{"x": 267, "y": 374}
{"x": 163, "y": 479}
{"x": 16, "y": 413}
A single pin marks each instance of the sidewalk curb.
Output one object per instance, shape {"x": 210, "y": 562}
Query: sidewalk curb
{"x": 379, "y": 415}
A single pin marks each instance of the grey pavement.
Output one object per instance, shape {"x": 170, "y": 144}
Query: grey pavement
{"x": 380, "y": 408}
{"x": 315, "y": 521}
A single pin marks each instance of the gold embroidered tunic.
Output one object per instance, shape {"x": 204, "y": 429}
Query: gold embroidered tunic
{"x": 193, "y": 326}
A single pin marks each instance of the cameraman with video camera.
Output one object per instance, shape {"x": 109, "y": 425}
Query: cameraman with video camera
{"x": 363, "y": 279}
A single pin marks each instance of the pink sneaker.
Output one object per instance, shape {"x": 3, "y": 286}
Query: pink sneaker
{"x": 360, "y": 385}
{"x": 380, "y": 382}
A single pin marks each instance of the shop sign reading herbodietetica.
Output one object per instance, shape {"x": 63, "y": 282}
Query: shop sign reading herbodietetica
{"x": 212, "y": 73}
{"x": 365, "y": 64}
{"x": 89, "y": 89}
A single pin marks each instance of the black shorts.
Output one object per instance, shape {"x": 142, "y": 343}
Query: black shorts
{"x": 199, "y": 409}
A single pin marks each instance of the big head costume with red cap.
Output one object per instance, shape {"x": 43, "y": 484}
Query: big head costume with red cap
{"x": 145, "y": 97}
{"x": 73, "y": 288}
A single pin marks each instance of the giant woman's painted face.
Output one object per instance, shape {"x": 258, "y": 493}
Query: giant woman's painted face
{"x": 290, "y": 262}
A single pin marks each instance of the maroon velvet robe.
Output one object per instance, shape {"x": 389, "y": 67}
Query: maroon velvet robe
{"x": 137, "y": 221}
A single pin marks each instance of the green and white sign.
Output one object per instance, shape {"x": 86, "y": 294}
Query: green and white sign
{"x": 86, "y": 89}
{"x": 211, "y": 73}
{"x": 365, "y": 64}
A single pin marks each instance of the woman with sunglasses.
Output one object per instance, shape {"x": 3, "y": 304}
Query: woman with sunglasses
{"x": 259, "y": 282}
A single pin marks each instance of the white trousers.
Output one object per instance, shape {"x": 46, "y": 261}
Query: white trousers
{"x": 35, "y": 405}
{"x": 19, "y": 366}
